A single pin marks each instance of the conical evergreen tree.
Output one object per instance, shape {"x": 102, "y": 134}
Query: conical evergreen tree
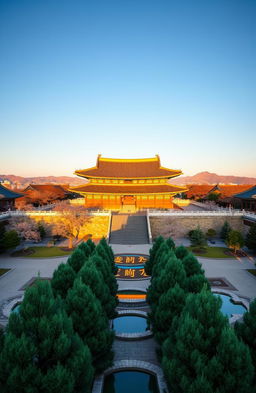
{"x": 170, "y": 304}
{"x": 152, "y": 253}
{"x": 91, "y": 245}
{"x": 58, "y": 354}
{"x": 92, "y": 277}
{"x": 106, "y": 253}
{"x": 63, "y": 279}
{"x": 226, "y": 228}
{"x": 90, "y": 323}
{"x": 108, "y": 276}
{"x": 234, "y": 364}
{"x": 181, "y": 252}
{"x": 77, "y": 259}
{"x": 170, "y": 243}
{"x": 246, "y": 330}
{"x": 85, "y": 248}
{"x": 250, "y": 240}
{"x": 191, "y": 354}
{"x": 172, "y": 273}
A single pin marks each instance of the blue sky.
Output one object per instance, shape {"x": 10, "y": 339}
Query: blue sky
{"x": 127, "y": 78}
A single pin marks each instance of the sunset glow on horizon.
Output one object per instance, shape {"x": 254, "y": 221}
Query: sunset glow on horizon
{"x": 127, "y": 80}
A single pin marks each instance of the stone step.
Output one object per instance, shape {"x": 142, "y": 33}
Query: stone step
{"x": 129, "y": 229}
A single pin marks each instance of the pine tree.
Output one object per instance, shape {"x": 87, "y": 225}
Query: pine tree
{"x": 172, "y": 273}
{"x": 196, "y": 279}
{"x": 235, "y": 240}
{"x": 170, "y": 243}
{"x": 226, "y": 228}
{"x": 77, "y": 259}
{"x": 63, "y": 279}
{"x": 106, "y": 253}
{"x": 201, "y": 352}
{"x": 181, "y": 252}
{"x": 197, "y": 237}
{"x": 246, "y": 330}
{"x": 90, "y": 323}
{"x": 108, "y": 276}
{"x": 92, "y": 277}
{"x": 250, "y": 240}
{"x": 170, "y": 305}
{"x": 85, "y": 249}
{"x": 152, "y": 253}
{"x": 91, "y": 245}
{"x": 51, "y": 355}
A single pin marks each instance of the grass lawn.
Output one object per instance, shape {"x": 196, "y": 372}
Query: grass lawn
{"x": 252, "y": 271}
{"x": 3, "y": 271}
{"x": 212, "y": 252}
{"x": 41, "y": 252}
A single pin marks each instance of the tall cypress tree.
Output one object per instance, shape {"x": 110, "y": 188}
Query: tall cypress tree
{"x": 172, "y": 273}
{"x": 246, "y": 330}
{"x": 191, "y": 359}
{"x": 170, "y": 304}
{"x": 152, "y": 253}
{"x": 63, "y": 279}
{"x": 196, "y": 279}
{"x": 91, "y": 323}
{"x": 250, "y": 240}
{"x": 106, "y": 253}
{"x": 181, "y": 252}
{"x": 92, "y": 277}
{"x": 54, "y": 356}
{"x": 108, "y": 276}
{"x": 77, "y": 259}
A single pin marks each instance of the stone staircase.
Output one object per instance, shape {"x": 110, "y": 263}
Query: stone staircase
{"x": 129, "y": 229}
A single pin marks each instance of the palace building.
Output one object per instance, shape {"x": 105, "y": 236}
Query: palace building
{"x": 128, "y": 184}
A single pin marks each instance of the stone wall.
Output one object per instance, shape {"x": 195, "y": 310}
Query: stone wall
{"x": 179, "y": 226}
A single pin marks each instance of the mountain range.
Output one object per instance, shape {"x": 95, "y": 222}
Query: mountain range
{"x": 213, "y": 178}
{"x": 199, "y": 178}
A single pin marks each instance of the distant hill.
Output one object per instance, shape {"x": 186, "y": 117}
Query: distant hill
{"x": 199, "y": 178}
{"x": 24, "y": 181}
{"x": 213, "y": 178}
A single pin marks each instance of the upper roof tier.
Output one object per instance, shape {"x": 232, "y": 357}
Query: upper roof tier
{"x": 128, "y": 169}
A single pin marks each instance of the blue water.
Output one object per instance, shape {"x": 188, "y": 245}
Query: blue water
{"x": 130, "y": 324}
{"x": 228, "y": 307}
{"x": 130, "y": 382}
{"x": 16, "y": 308}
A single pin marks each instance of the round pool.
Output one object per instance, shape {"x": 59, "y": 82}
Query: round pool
{"x": 229, "y": 307}
{"x": 130, "y": 324}
{"x": 130, "y": 382}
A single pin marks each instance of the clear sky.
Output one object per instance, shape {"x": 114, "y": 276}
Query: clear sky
{"x": 127, "y": 78}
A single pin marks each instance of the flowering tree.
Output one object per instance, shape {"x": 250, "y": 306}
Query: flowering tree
{"x": 26, "y": 228}
{"x": 71, "y": 221}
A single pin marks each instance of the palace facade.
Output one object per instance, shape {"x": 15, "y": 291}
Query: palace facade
{"x": 128, "y": 184}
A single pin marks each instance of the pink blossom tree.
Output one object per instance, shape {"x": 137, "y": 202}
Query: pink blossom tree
{"x": 26, "y": 228}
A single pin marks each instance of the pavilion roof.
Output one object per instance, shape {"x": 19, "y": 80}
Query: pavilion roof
{"x": 127, "y": 189}
{"x": 128, "y": 168}
{"x": 5, "y": 193}
{"x": 200, "y": 190}
{"x": 48, "y": 188}
{"x": 248, "y": 194}
{"x": 229, "y": 190}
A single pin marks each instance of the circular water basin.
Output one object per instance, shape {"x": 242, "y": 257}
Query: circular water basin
{"x": 229, "y": 307}
{"x": 130, "y": 324}
{"x": 130, "y": 382}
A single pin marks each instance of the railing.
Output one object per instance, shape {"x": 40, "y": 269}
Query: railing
{"x": 220, "y": 212}
{"x": 23, "y": 213}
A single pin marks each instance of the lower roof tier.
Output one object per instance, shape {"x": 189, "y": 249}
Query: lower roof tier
{"x": 128, "y": 189}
